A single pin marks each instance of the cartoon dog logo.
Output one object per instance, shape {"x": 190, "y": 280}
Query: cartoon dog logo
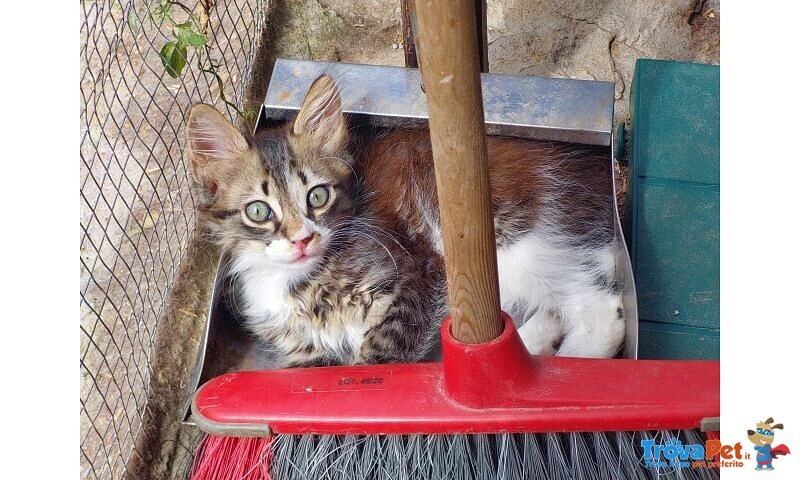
{"x": 762, "y": 438}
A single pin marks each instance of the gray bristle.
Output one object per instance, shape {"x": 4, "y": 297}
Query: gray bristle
{"x": 480, "y": 457}
{"x": 630, "y": 463}
{"x": 416, "y": 457}
{"x": 350, "y": 464}
{"x": 605, "y": 456}
{"x": 556, "y": 457}
{"x": 533, "y": 464}
{"x": 509, "y": 463}
{"x": 284, "y": 454}
{"x": 395, "y": 461}
{"x": 459, "y": 451}
{"x": 553, "y": 456}
{"x": 438, "y": 459}
{"x": 582, "y": 463}
{"x": 367, "y": 456}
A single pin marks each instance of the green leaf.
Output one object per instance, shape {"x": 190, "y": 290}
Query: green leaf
{"x": 185, "y": 35}
{"x": 173, "y": 56}
{"x": 162, "y": 10}
{"x": 133, "y": 21}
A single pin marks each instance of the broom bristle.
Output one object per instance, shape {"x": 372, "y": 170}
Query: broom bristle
{"x": 232, "y": 458}
{"x": 589, "y": 456}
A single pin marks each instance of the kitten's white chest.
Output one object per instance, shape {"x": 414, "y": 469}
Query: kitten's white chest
{"x": 264, "y": 295}
{"x": 268, "y": 306}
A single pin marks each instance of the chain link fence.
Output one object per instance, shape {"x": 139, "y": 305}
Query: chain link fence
{"x": 137, "y": 212}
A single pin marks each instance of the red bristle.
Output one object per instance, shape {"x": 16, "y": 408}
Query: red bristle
{"x": 711, "y": 435}
{"x": 232, "y": 458}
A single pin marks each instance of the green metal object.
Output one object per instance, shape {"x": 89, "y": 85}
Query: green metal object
{"x": 674, "y": 201}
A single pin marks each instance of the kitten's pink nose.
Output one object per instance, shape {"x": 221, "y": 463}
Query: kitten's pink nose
{"x": 302, "y": 244}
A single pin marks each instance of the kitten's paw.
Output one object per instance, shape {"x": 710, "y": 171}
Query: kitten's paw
{"x": 595, "y": 331}
{"x": 541, "y": 332}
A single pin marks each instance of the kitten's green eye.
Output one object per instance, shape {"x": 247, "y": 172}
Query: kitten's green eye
{"x": 258, "y": 211}
{"x": 318, "y": 196}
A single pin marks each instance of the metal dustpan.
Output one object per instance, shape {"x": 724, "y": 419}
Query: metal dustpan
{"x": 565, "y": 110}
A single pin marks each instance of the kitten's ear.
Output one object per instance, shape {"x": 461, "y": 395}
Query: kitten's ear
{"x": 320, "y": 119}
{"x": 214, "y": 147}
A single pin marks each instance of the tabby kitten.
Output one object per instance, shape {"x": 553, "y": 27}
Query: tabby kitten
{"x": 337, "y": 255}
{"x": 313, "y": 275}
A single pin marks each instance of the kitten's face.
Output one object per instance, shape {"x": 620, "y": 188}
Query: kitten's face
{"x": 288, "y": 204}
{"x": 280, "y": 200}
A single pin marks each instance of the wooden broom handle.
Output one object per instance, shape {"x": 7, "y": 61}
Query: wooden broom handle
{"x": 448, "y": 57}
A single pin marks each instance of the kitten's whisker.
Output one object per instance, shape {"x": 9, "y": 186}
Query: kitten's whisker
{"x": 396, "y": 267}
{"x": 381, "y": 231}
{"x": 346, "y": 163}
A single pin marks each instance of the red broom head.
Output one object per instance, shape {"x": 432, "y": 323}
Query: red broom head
{"x": 493, "y": 387}
{"x": 232, "y": 458}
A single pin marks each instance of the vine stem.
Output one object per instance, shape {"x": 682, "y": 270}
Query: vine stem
{"x": 206, "y": 48}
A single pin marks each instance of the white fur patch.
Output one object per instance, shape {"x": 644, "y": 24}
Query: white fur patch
{"x": 548, "y": 288}
{"x": 431, "y": 223}
{"x": 264, "y": 295}
{"x": 264, "y": 289}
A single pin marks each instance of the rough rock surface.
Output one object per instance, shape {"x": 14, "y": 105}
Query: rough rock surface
{"x": 597, "y": 40}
